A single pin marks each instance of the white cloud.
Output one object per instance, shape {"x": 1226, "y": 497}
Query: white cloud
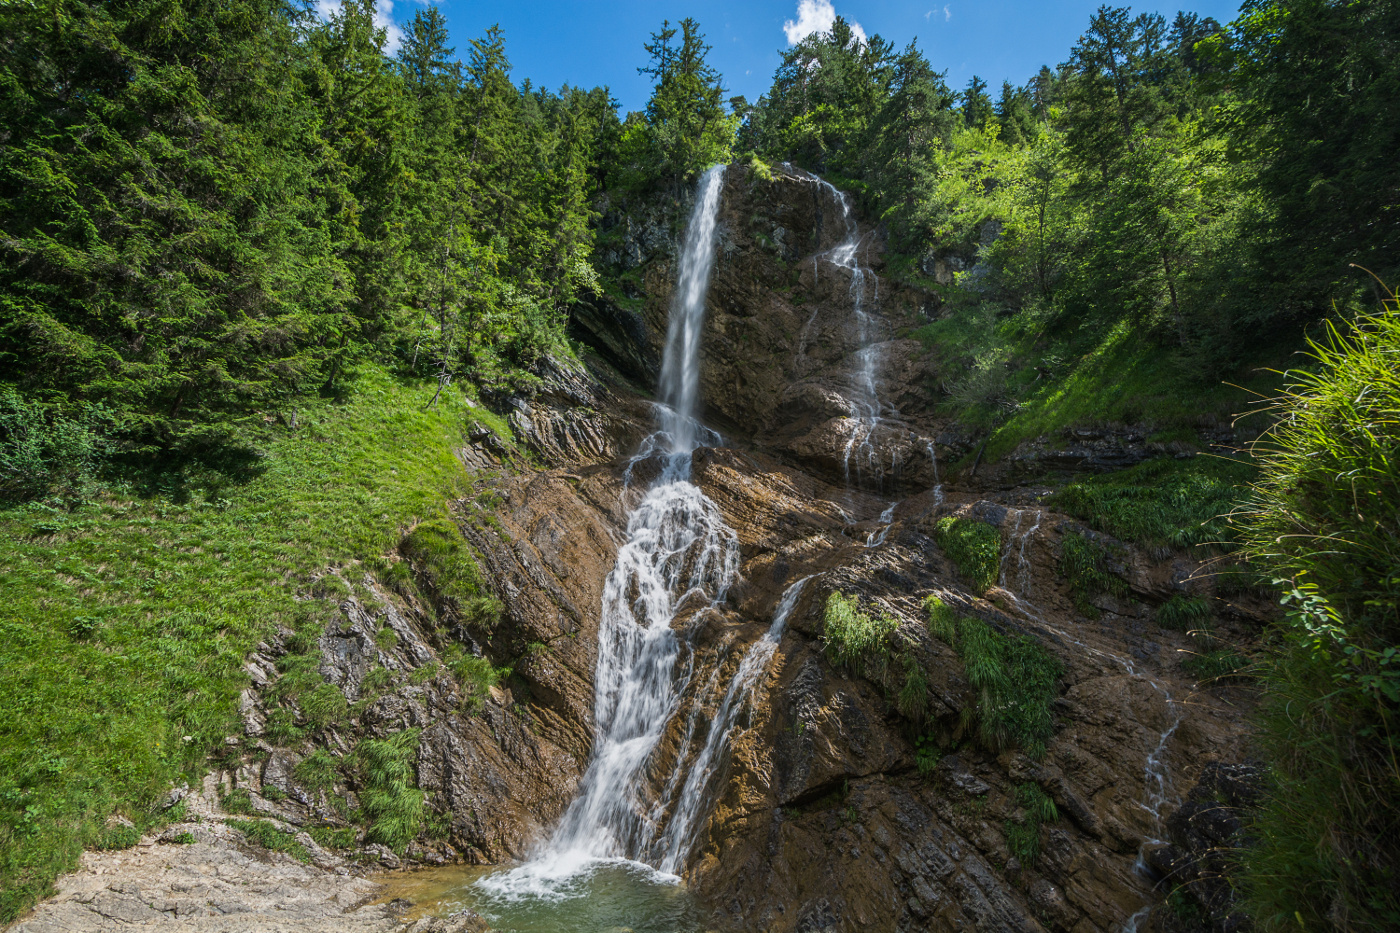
{"x": 815, "y": 16}
{"x": 947, "y": 13}
{"x": 383, "y": 19}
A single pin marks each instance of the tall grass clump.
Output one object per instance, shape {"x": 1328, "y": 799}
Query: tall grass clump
{"x": 1324, "y": 519}
{"x": 1084, "y": 562}
{"x": 975, "y": 547}
{"x": 390, "y": 802}
{"x": 1162, "y": 503}
{"x": 865, "y": 644}
{"x": 1023, "y": 832}
{"x": 441, "y": 555}
{"x": 1016, "y": 681}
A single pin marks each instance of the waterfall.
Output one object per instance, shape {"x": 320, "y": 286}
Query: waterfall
{"x": 866, "y": 401}
{"x": 679, "y": 558}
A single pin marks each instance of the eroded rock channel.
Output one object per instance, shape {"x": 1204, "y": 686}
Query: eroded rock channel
{"x": 810, "y": 796}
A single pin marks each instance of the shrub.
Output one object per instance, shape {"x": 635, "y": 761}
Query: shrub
{"x": 1084, "y": 563}
{"x": 182, "y": 839}
{"x": 1322, "y": 521}
{"x": 42, "y": 449}
{"x": 1016, "y": 681}
{"x": 975, "y": 547}
{"x": 390, "y": 801}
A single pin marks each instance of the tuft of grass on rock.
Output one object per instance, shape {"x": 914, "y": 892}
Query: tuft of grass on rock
{"x": 1016, "y": 681}
{"x": 975, "y": 547}
{"x": 391, "y": 804}
{"x": 1084, "y": 562}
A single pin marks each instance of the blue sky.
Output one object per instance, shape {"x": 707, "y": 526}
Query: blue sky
{"x": 553, "y": 42}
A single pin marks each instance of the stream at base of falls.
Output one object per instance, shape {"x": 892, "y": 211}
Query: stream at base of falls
{"x": 610, "y": 896}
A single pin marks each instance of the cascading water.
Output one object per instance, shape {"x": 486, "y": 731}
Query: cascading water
{"x": 865, "y": 399}
{"x": 680, "y": 558}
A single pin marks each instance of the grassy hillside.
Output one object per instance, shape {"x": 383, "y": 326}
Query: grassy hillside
{"x": 126, "y": 619}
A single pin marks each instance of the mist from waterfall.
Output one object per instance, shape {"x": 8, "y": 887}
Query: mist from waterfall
{"x": 679, "y": 560}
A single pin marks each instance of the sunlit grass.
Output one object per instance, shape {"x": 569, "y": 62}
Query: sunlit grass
{"x": 125, "y": 621}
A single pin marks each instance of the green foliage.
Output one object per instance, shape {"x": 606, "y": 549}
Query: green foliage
{"x": 1214, "y": 665}
{"x": 1023, "y": 834}
{"x": 477, "y": 677}
{"x": 1168, "y": 502}
{"x": 855, "y": 639}
{"x": 334, "y": 838}
{"x": 1016, "y": 681}
{"x": 390, "y": 802}
{"x": 975, "y": 547}
{"x": 238, "y": 800}
{"x": 1321, "y": 522}
{"x": 1184, "y": 614}
{"x": 181, "y": 590}
{"x": 317, "y": 771}
{"x": 118, "y": 836}
{"x": 324, "y": 706}
{"x": 445, "y": 563}
{"x": 43, "y": 451}
{"x": 1085, "y": 563}
{"x": 183, "y": 839}
{"x": 927, "y": 754}
{"x": 263, "y": 833}
{"x": 685, "y": 129}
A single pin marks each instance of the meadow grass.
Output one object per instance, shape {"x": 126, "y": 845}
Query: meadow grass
{"x": 126, "y": 619}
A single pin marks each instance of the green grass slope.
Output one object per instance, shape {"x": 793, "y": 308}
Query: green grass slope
{"x": 125, "y": 621}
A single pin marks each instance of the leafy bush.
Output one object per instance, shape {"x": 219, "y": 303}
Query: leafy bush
{"x": 1164, "y": 503}
{"x": 41, "y": 449}
{"x": 390, "y": 801}
{"x": 1016, "y": 680}
{"x": 975, "y": 547}
{"x": 1084, "y": 563}
{"x": 182, "y": 839}
{"x": 1323, "y": 522}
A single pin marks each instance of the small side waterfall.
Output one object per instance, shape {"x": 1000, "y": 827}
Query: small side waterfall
{"x": 866, "y": 398}
{"x": 680, "y": 559}
{"x": 680, "y": 833}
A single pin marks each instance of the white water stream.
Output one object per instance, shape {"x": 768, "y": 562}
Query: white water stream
{"x": 678, "y": 562}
